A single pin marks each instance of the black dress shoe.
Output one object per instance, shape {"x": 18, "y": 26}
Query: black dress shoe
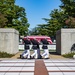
{"x": 21, "y": 57}
{"x": 40, "y": 57}
{"x": 31, "y": 57}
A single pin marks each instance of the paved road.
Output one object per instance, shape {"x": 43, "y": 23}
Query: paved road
{"x": 31, "y": 67}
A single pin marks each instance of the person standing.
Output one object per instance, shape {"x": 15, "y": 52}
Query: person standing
{"x": 45, "y": 48}
{"x": 26, "y": 52}
{"x": 35, "y": 47}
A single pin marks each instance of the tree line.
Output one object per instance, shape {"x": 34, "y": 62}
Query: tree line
{"x": 64, "y": 17}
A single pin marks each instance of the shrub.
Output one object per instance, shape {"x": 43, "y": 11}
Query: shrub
{"x": 5, "y": 55}
{"x": 69, "y": 55}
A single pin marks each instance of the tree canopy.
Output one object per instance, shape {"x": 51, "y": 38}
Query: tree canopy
{"x": 13, "y": 16}
{"x": 69, "y": 10}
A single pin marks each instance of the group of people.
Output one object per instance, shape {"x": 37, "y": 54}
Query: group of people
{"x": 35, "y": 46}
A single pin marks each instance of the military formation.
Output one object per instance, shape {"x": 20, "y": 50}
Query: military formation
{"x": 36, "y": 49}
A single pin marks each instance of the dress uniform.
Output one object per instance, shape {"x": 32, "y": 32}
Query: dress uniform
{"x": 45, "y": 48}
{"x": 35, "y": 47}
{"x": 27, "y": 44}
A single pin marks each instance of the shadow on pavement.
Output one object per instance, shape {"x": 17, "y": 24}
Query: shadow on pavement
{"x": 54, "y": 53}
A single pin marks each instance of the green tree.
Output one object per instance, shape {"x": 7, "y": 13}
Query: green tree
{"x": 3, "y": 21}
{"x": 15, "y": 15}
{"x": 42, "y": 29}
{"x": 56, "y": 22}
{"x": 69, "y": 9}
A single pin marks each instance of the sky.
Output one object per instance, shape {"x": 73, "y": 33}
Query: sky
{"x": 38, "y": 9}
